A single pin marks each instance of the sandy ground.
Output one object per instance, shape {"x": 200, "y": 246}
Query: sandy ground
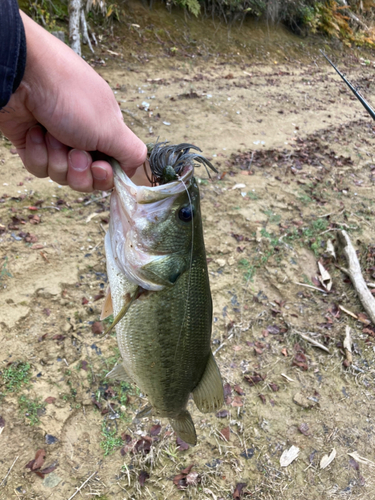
{"x": 296, "y": 161}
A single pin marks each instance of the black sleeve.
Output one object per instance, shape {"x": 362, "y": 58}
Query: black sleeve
{"x": 12, "y": 49}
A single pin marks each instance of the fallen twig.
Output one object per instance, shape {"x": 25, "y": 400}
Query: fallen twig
{"x": 83, "y": 485}
{"x": 350, "y": 313}
{"x": 348, "y": 347}
{"x": 355, "y": 274}
{"x": 218, "y": 349}
{"x": 310, "y": 286}
{"x": 312, "y": 341}
{"x": 9, "y": 471}
{"x": 288, "y": 378}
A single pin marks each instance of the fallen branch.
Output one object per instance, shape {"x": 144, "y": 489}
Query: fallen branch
{"x": 355, "y": 274}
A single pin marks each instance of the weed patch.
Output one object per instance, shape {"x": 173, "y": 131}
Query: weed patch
{"x": 16, "y": 375}
{"x": 32, "y": 409}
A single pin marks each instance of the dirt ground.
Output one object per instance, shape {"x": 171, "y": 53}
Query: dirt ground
{"x": 296, "y": 161}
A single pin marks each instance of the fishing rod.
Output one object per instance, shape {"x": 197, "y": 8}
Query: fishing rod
{"x": 361, "y": 99}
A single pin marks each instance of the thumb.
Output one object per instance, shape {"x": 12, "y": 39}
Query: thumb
{"x": 126, "y": 148}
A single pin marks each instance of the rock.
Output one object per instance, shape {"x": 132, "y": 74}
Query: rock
{"x": 220, "y": 262}
{"x": 51, "y": 480}
{"x": 51, "y": 439}
{"x": 302, "y": 400}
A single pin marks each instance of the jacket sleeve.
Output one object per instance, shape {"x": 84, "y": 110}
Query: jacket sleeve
{"x": 12, "y": 49}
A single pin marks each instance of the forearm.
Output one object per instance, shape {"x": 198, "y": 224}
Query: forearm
{"x": 12, "y": 50}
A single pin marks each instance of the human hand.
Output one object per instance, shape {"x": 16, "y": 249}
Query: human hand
{"x": 62, "y": 110}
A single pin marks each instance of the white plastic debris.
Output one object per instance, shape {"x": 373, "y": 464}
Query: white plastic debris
{"x": 239, "y": 186}
{"x": 166, "y": 123}
{"x": 288, "y": 456}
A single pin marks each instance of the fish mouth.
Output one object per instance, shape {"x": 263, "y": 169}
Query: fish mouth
{"x": 132, "y": 207}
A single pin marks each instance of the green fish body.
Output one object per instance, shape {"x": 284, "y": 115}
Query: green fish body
{"x": 157, "y": 271}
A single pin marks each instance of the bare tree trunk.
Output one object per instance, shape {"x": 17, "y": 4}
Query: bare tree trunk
{"x": 85, "y": 34}
{"x": 74, "y": 19}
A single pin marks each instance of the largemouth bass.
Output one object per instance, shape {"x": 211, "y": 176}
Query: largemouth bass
{"x": 159, "y": 289}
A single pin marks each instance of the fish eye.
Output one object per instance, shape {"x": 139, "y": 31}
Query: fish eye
{"x": 185, "y": 213}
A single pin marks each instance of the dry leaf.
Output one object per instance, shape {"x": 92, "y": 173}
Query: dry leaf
{"x": 325, "y": 277}
{"x": 143, "y": 475}
{"x": 360, "y": 459}
{"x": 50, "y": 400}
{"x": 225, "y": 434}
{"x": 181, "y": 444}
{"x": 155, "y": 430}
{"x": 237, "y": 402}
{"x": 327, "y": 459}
{"x": 288, "y": 456}
{"x": 238, "y": 491}
{"x": 97, "y": 328}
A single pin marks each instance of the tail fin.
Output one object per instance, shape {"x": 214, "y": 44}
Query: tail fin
{"x": 184, "y": 427}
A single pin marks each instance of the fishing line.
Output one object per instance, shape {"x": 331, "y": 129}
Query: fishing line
{"x": 191, "y": 261}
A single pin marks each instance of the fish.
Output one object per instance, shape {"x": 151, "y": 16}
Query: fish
{"x": 159, "y": 289}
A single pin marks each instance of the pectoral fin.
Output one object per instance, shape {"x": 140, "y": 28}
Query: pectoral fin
{"x": 129, "y": 299}
{"x": 119, "y": 373}
{"x": 209, "y": 394}
{"x": 107, "y": 306}
{"x": 184, "y": 428}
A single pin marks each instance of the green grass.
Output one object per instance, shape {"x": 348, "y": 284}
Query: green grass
{"x": 16, "y": 375}
{"x": 4, "y": 273}
{"x": 272, "y": 217}
{"x": 248, "y": 269}
{"x": 252, "y": 195}
{"x": 108, "y": 321}
{"x": 305, "y": 198}
{"x": 31, "y": 408}
{"x": 310, "y": 235}
{"x": 110, "y": 441}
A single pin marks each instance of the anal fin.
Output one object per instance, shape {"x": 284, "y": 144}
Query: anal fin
{"x": 183, "y": 426}
{"x": 209, "y": 394}
{"x": 107, "y": 309}
{"x": 119, "y": 373}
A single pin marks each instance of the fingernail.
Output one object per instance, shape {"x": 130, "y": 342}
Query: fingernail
{"x": 99, "y": 173}
{"x": 36, "y": 135}
{"x": 79, "y": 160}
